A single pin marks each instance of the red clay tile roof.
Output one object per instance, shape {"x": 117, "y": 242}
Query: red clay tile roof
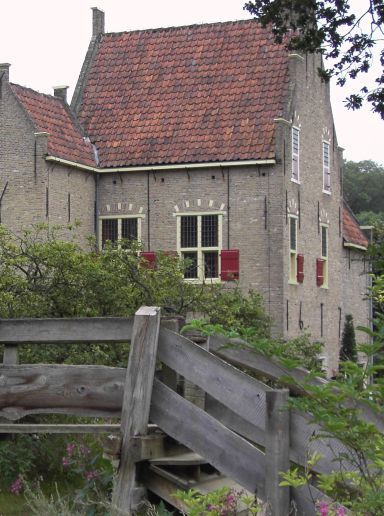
{"x": 49, "y": 114}
{"x": 351, "y": 231}
{"x": 197, "y": 94}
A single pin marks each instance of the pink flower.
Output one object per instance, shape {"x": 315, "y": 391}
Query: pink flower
{"x": 17, "y": 486}
{"x": 341, "y": 511}
{"x": 65, "y": 462}
{"x": 91, "y": 475}
{"x": 323, "y": 509}
{"x": 70, "y": 448}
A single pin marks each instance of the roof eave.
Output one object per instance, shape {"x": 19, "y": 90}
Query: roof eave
{"x": 180, "y": 166}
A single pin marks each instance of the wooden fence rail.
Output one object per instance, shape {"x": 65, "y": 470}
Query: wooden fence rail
{"x": 245, "y": 430}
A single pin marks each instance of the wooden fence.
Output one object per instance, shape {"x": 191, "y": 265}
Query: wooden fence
{"x": 245, "y": 430}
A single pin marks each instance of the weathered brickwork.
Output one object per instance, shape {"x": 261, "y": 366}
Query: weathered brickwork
{"x": 36, "y": 190}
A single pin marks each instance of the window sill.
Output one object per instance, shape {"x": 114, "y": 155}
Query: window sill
{"x": 198, "y": 281}
{"x": 297, "y": 181}
{"x": 324, "y": 287}
{"x": 328, "y": 192}
{"x": 292, "y": 282}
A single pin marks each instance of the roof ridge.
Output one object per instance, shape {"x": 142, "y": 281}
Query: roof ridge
{"x": 36, "y": 91}
{"x": 180, "y": 27}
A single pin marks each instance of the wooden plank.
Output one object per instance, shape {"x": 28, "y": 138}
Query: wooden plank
{"x": 58, "y": 428}
{"x": 136, "y": 401}
{"x": 10, "y": 355}
{"x": 235, "y": 351}
{"x": 233, "y": 421}
{"x": 52, "y": 387}
{"x": 63, "y": 331}
{"x": 184, "y": 459}
{"x": 241, "y": 393}
{"x": 277, "y": 451}
{"x": 304, "y": 500}
{"x": 225, "y": 450}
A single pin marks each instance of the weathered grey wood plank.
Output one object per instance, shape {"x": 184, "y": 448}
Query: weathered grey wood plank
{"x": 63, "y": 331}
{"x": 58, "y": 428}
{"x": 228, "y": 452}
{"x": 236, "y": 423}
{"x": 10, "y": 355}
{"x": 277, "y": 450}
{"x": 304, "y": 500}
{"x": 136, "y": 400}
{"x": 235, "y": 351}
{"x": 61, "y": 387}
{"x": 241, "y": 393}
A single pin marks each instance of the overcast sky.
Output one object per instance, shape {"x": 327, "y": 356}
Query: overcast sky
{"x": 46, "y": 40}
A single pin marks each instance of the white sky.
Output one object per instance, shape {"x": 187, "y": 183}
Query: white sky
{"x": 46, "y": 40}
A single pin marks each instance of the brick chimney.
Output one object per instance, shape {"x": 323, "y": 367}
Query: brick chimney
{"x": 97, "y": 22}
{"x": 61, "y": 92}
{"x": 4, "y": 72}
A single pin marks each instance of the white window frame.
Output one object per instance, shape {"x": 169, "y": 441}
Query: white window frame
{"x": 326, "y": 168}
{"x": 292, "y": 251}
{"x": 324, "y": 229}
{"x": 199, "y": 249}
{"x": 119, "y": 219}
{"x": 295, "y": 155}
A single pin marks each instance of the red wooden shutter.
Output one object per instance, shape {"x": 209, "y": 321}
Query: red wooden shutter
{"x": 300, "y": 268}
{"x": 230, "y": 261}
{"x": 149, "y": 259}
{"x": 319, "y": 272}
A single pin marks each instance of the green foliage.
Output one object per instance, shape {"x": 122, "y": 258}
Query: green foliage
{"x": 343, "y": 33}
{"x": 300, "y": 351}
{"x": 363, "y": 186}
{"x": 348, "y": 350}
{"x": 17, "y": 458}
{"x": 224, "y": 501}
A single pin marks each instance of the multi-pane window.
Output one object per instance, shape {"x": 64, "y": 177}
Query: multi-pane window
{"x": 199, "y": 243}
{"x": 326, "y": 168}
{"x": 292, "y": 248}
{"x": 295, "y": 154}
{"x": 324, "y": 253}
{"x": 119, "y": 229}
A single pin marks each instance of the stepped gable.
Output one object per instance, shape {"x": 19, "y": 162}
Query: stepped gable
{"x": 195, "y": 94}
{"x": 352, "y": 233}
{"x": 50, "y": 114}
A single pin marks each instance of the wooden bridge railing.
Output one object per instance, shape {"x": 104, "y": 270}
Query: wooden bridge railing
{"x": 245, "y": 431}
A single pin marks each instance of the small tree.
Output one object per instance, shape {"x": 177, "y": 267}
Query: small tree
{"x": 348, "y": 350}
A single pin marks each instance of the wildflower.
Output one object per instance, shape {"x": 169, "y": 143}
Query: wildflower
{"x": 341, "y": 511}
{"x": 323, "y": 508}
{"x": 230, "y": 499}
{"x": 83, "y": 450}
{"x": 17, "y": 486}
{"x": 65, "y": 462}
{"x": 91, "y": 475}
{"x": 70, "y": 448}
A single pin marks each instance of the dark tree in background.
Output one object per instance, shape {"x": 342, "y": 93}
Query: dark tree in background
{"x": 364, "y": 186}
{"x": 347, "y": 37}
{"x": 348, "y": 350}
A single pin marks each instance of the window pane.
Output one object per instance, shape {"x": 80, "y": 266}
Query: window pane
{"x": 295, "y": 140}
{"x": 211, "y": 260}
{"x": 129, "y": 229}
{"x": 189, "y": 231}
{"x": 324, "y": 242}
{"x": 292, "y": 236}
{"x": 191, "y": 266}
{"x": 326, "y": 154}
{"x": 108, "y": 230}
{"x": 209, "y": 231}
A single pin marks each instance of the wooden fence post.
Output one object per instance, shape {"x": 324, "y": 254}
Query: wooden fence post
{"x": 136, "y": 402}
{"x": 277, "y": 442}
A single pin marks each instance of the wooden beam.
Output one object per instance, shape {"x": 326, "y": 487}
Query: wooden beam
{"x": 58, "y": 429}
{"x": 136, "y": 401}
{"x": 225, "y": 450}
{"x": 64, "y": 331}
{"x": 277, "y": 451}
{"x": 61, "y": 387}
{"x": 238, "y": 391}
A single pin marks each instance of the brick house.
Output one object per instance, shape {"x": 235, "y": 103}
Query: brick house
{"x": 211, "y": 140}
